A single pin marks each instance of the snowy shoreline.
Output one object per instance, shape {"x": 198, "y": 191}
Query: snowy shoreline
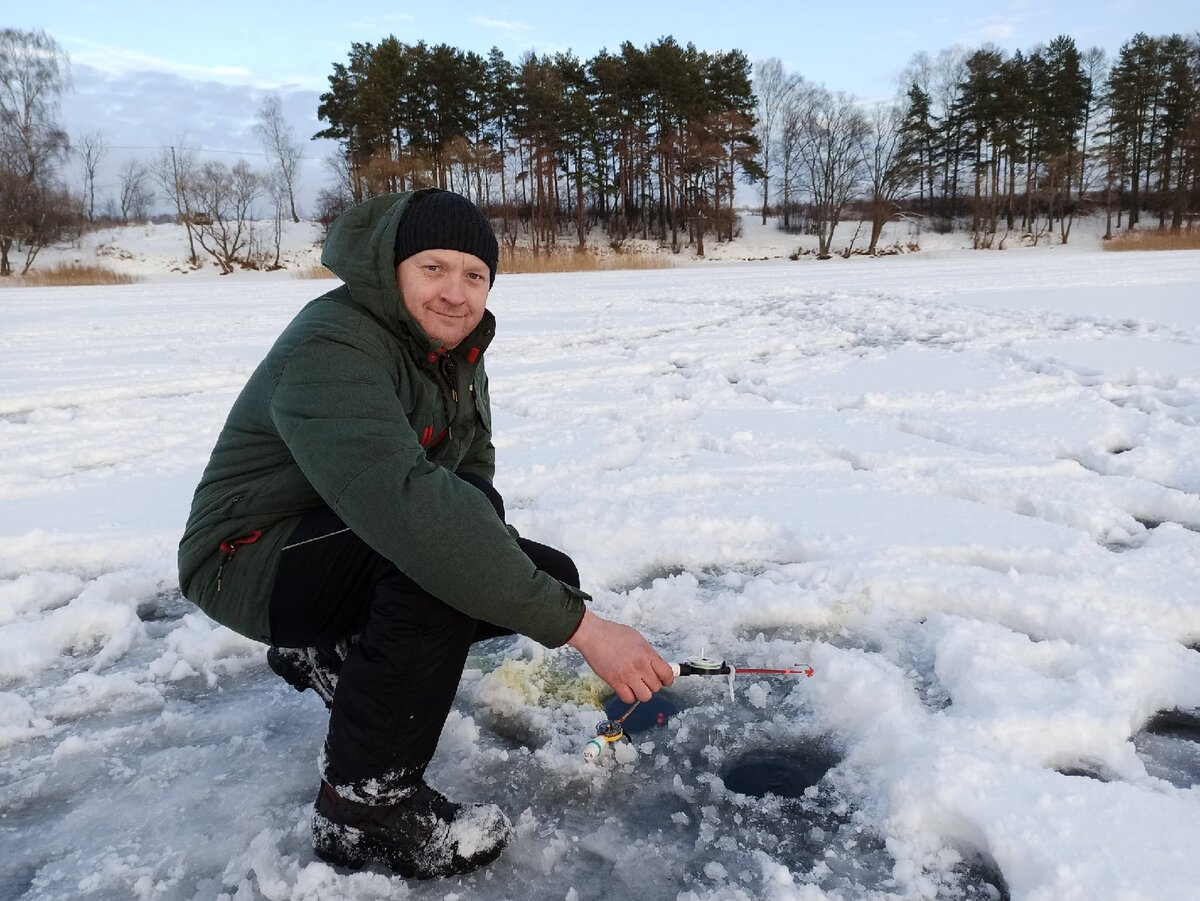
{"x": 965, "y": 487}
{"x": 158, "y": 252}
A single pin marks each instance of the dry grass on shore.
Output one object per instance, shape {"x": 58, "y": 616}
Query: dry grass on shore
{"x": 314, "y": 271}
{"x": 524, "y": 260}
{"x": 1155, "y": 239}
{"x": 68, "y": 274}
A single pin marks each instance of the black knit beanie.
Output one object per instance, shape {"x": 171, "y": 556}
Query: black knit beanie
{"x": 445, "y": 220}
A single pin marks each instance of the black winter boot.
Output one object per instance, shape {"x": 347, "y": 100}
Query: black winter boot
{"x": 316, "y": 668}
{"x": 422, "y": 835}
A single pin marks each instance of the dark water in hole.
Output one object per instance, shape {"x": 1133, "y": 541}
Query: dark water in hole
{"x": 1169, "y": 746}
{"x": 982, "y": 880}
{"x": 1175, "y": 724}
{"x": 655, "y": 712}
{"x": 786, "y": 775}
{"x": 1084, "y": 773}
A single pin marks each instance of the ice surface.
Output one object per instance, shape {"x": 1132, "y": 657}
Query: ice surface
{"x": 964, "y": 487}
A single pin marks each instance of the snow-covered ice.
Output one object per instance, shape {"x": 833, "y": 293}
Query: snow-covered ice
{"x": 964, "y": 487}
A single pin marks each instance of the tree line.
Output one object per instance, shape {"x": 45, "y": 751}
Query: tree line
{"x": 646, "y": 141}
{"x": 1052, "y": 127}
{"x": 652, "y": 142}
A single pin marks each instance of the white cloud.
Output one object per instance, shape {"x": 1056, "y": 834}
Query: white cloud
{"x": 996, "y": 31}
{"x": 513, "y": 27}
{"x": 120, "y": 61}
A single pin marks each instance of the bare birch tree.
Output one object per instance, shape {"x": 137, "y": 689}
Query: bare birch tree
{"x": 888, "y": 168}
{"x": 135, "y": 193}
{"x": 793, "y": 119}
{"x": 91, "y": 150}
{"x": 831, "y": 160}
{"x": 276, "y": 190}
{"x": 34, "y": 207}
{"x": 221, "y": 199}
{"x": 772, "y": 88}
{"x": 279, "y": 141}
{"x": 174, "y": 170}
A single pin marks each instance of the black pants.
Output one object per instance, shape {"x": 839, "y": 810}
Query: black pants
{"x": 396, "y": 686}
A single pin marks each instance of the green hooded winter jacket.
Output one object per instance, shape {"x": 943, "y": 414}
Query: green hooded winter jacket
{"x": 353, "y": 408}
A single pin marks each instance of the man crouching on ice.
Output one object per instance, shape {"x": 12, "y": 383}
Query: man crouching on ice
{"x": 347, "y": 518}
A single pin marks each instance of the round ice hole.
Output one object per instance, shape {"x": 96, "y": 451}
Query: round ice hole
{"x": 1084, "y": 772}
{"x": 981, "y": 880}
{"x": 787, "y": 775}
{"x": 648, "y": 714}
{"x": 1169, "y": 746}
{"x": 1182, "y": 724}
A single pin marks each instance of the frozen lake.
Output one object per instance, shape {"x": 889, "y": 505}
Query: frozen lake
{"x": 964, "y": 487}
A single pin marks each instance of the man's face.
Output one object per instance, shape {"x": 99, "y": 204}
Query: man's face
{"x": 445, "y": 291}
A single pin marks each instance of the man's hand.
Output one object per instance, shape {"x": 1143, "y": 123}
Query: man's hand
{"x": 621, "y": 657}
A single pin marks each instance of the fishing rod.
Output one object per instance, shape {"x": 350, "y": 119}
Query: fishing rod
{"x": 611, "y": 731}
{"x": 708, "y": 666}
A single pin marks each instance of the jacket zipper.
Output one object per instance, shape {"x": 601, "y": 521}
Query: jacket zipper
{"x": 449, "y": 373}
{"x": 230, "y": 546}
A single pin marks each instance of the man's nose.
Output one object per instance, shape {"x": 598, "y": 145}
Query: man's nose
{"x": 454, "y": 291}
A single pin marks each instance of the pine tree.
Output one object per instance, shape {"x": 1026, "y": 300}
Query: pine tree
{"x": 732, "y": 107}
{"x": 1134, "y": 88}
{"x": 1180, "y": 114}
{"x": 499, "y": 103}
{"x": 1067, "y": 102}
{"x": 918, "y": 130}
{"x": 979, "y": 110}
{"x": 1014, "y": 112}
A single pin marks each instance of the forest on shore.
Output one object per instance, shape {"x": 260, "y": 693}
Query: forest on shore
{"x": 651, "y": 142}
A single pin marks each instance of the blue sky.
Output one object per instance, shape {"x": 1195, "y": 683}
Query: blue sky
{"x": 148, "y": 73}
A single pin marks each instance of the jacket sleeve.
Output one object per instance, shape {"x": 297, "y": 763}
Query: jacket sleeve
{"x": 337, "y": 409}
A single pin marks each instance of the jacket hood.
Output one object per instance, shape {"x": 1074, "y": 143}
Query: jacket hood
{"x": 360, "y": 250}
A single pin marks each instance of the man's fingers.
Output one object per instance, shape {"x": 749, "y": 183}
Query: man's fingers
{"x": 642, "y": 689}
{"x": 654, "y": 674}
{"x": 622, "y": 657}
{"x": 663, "y": 670}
